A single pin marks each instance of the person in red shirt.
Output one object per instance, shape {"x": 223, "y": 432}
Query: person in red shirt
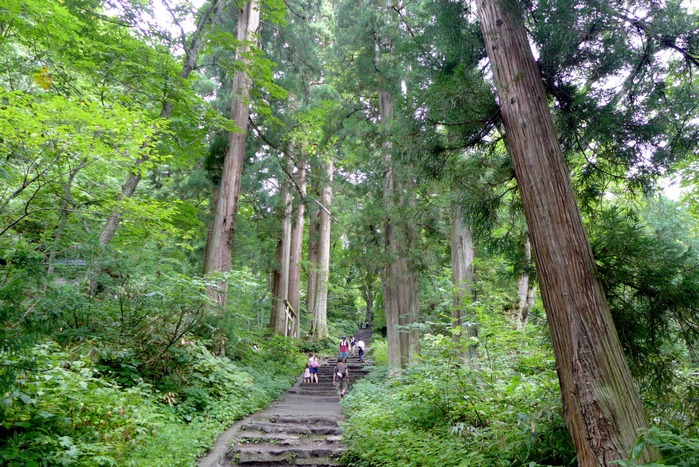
{"x": 344, "y": 348}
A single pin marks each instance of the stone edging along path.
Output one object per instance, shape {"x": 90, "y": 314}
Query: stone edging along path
{"x": 300, "y": 429}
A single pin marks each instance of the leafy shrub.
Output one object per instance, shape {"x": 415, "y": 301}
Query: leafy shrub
{"x": 675, "y": 449}
{"x": 64, "y": 414}
{"x": 379, "y": 351}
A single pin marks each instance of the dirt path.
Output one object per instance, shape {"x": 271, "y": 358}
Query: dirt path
{"x": 300, "y": 429}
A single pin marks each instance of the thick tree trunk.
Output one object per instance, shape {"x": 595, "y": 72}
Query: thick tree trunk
{"x": 408, "y": 280}
{"x": 280, "y": 280}
{"x": 391, "y": 273}
{"x": 601, "y": 406}
{"x": 462, "y": 275}
{"x": 526, "y": 292}
{"x": 313, "y": 246}
{"x": 219, "y": 252}
{"x": 296, "y": 252}
{"x": 320, "y": 309}
{"x": 400, "y": 283}
{"x": 406, "y": 292}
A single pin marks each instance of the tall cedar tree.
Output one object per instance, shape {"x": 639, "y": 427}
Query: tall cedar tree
{"x": 601, "y": 406}
{"x": 219, "y": 248}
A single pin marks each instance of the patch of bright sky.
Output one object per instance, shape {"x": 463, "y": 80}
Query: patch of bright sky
{"x": 164, "y": 19}
{"x": 161, "y": 18}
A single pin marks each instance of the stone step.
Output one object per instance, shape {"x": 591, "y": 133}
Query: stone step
{"x": 358, "y": 368}
{"x": 325, "y": 396}
{"x": 249, "y": 455}
{"x": 315, "y": 462}
{"x": 323, "y": 384}
{"x": 312, "y": 396}
{"x": 309, "y": 419}
{"x": 283, "y": 439}
{"x": 299, "y": 429}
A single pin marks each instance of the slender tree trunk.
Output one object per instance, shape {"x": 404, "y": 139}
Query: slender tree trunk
{"x": 211, "y": 15}
{"x": 601, "y": 406}
{"x": 223, "y": 229}
{"x": 526, "y": 291}
{"x": 280, "y": 280}
{"x": 368, "y": 293}
{"x": 296, "y": 252}
{"x": 462, "y": 275}
{"x": 320, "y": 310}
{"x": 65, "y": 202}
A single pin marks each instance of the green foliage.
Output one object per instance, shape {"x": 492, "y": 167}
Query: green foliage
{"x": 63, "y": 413}
{"x": 648, "y": 262}
{"x": 675, "y": 449}
{"x": 136, "y": 375}
{"x": 69, "y": 411}
{"x": 379, "y": 351}
{"x": 25, "y": 314}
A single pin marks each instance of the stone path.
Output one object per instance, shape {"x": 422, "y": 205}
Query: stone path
{"x": 299, "y": 429}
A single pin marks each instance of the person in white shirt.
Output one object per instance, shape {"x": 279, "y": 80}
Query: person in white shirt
{"x": 360, "y": 347}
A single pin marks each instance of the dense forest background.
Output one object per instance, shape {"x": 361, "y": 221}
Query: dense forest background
{"x": 194, "y": 195}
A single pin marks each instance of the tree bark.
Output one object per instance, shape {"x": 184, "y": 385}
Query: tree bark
{"x": 223, "y": 228}
{"x": 526, "y": 292}
{"x": 400, "y": 283}
{"x": 296, "y": 252}
{"x": 280, "y": 279}
{"x": 320, "y": 308}
{"x": 368, "y": 294}
{"x": 602, "y": 409}
{"x": 407, "y": 283}
{"x": 313, "y": 245}
{"x": 462, "y": 276}
{"x": 391, "y": 273}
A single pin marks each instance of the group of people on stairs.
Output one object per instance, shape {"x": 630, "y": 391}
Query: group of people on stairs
{"x": 341, "y": 374}
{"x": 354, "y": 346}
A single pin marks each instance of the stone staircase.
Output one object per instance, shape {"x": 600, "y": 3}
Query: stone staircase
{"x": 300, "y": 429}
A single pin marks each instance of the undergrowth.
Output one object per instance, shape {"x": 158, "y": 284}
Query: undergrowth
{"x": 71, "y": 410}
{"x": 501, "y": 409}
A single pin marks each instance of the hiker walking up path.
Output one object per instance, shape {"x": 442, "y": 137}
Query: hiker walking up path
{"x": 299, "y": 429}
